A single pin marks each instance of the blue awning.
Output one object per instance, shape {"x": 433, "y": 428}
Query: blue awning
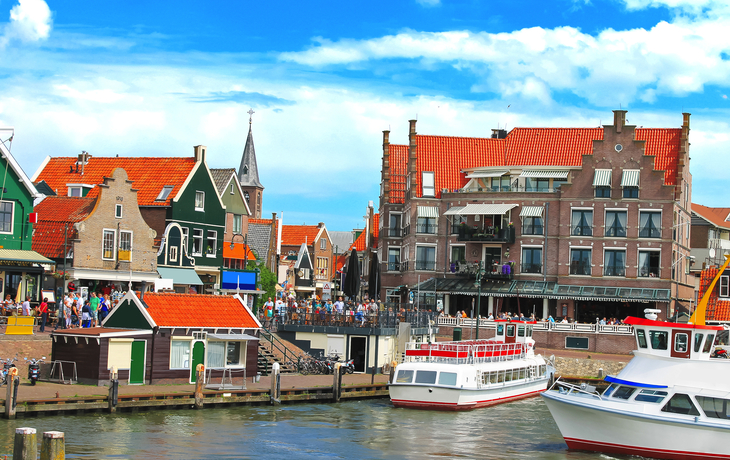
{"x": 180, "y": 275}
{"x": 610, "y": 379}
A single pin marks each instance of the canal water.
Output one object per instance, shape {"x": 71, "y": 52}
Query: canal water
{"x": 370, "y": 429}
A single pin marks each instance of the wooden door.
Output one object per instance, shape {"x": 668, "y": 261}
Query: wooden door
{"x": 136, "y": 368}
{"x": 680, "y": 343}
{"x": 198, "y": 358}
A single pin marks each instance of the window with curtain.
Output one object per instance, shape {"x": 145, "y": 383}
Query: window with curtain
{"x": 650, "y": 224}
{"x": 532, "y": 226}
{"x": 212, "y": 243}
{"x": 180, "y": 354}
{"x": 616, "y": 223}
{"x": 197, "y": 242}
{"x": 216, "y": 354}
{"x": 237, "y": 223}
{"x": 649, "y": 264}
{"x": 614, "y": 263}
{"x": 393, "y": 259}
{"x": 426, "y": 225}
{"x": 425, "y": 258}
{"x": 532, "y": 260}
{"x": 580, "y": 261}
{"x": 233, "y": 353}
{"x": 581, "y": 223}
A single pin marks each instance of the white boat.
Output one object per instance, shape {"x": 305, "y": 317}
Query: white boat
{"x": 672, "y": 400}
{"x": 473, "y": 373}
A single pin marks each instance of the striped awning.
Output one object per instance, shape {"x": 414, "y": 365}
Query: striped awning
{"x": 482, "y": 209}
{"x": 20, "y": 255}
{"x": 630, "y": 178}
{"x": 531, "y": 211}
{"x": 428, "y": 211}
{"x": 454, "y": 211}
{"x": 602, "y": 178}
{"x": 544, "y": 174}
{"x": 480, "y": 174}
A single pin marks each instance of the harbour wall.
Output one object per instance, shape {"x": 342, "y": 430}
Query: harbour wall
{"x": 587, "y": 368}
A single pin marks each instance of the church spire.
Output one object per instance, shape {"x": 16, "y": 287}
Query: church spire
{"x": 248, "y": 172}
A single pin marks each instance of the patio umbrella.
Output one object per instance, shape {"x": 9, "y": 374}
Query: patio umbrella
{"x": 374, "y": 281}
{"x": 352, "y": 278}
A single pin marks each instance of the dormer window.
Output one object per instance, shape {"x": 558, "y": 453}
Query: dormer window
{"x": 78, "y": 190}
{"x": 725, "y": 286}
{"x": 164, "y": 193}
{"x": 245, "y": 170}
{"x": 231, "y": 188}
{"x": 74, "y": 191}
{"x": 428, "y": 186}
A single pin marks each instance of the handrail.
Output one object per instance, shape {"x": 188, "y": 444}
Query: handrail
{"x": 623, "y": 329}
{"x": 289, "y": 355}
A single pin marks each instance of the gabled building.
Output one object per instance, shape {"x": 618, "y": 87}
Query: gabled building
{"x": 568, "y": 222}
{"x": 718, "y": 304}
{"x": 319, "y": 248}
{"x": 263, "y": 240}
{"x": 235, "y": 237}
{"x": 710, "y": 235}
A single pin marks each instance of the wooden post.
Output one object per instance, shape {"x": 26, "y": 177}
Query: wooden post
{"x": 337, "y": 383}
{"x": 53, "y": 446}
{"x": 275, "y": 396}
{"x": 12, "y": 392}
{"x": 113, "y": 390}
{"x": 199, "y": 381}
{"x": 26, "y": 445}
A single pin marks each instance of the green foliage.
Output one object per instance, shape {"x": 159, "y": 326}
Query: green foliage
{"x": 268, "y": 284}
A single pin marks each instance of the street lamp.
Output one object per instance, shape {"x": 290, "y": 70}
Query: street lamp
{"x": 478, "y": 284}
{"x": 245, "y": 246}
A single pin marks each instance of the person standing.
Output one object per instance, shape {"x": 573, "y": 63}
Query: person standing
{"x": 26, "y": 307}
{"x": 43, "y": 311}
{"x": 68, "y": 310}
{"x": 94, "y": 305}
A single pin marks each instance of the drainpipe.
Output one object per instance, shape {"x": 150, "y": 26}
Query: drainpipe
{"x": 544, "y": 252}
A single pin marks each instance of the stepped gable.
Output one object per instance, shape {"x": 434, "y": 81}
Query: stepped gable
{"x": 149, "y": 174}
{"x": 196, "y": 311}
{"x": 398, "y": 163}
{"x": 663, "y": 144}
{"x": 54, "y": 212}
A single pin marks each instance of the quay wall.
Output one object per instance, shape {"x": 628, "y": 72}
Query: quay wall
{"x": 582, "y": 368}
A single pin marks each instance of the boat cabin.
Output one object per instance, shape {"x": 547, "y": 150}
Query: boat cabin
{"x": 509, "y": 331}
{"x": 674, "y": 340}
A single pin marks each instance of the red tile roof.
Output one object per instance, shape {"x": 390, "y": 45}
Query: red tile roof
{"x": 550, "y": 146}
{"x": 198, "y": 311}
{"x": 359, "y": 243}
{"x": 149, "y": 174}
{"x": 376, "y": 229}
{"x": 717, "y": 310}
{"x": 663, "y": 144}
{"x": 398, "y": 162}
{"x": 295, "y": 235}
{"x": 719, "y": 217}
{"x": 54, "y": 213}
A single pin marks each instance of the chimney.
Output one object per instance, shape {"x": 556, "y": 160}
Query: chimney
{"x": 385, "y": 173}
{"x": 499, "y": 133}
{"x": 619, "y": 120}
{"x": 82, "y": 160}
{"x": 199, "y": 153}
{"x": 320, "y": 225}
{"x": 683, "y": 157}
{"x": 412, "y": 156}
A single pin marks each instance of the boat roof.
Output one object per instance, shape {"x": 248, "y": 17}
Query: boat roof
{"x": 650, "y": 322}
{"x": 612, "y": 379}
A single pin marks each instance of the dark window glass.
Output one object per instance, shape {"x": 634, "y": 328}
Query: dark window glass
{"x": 652, "y": 396}
{"x": 426, "y": 225}
{"x": 680, "y": 404}
{"x": 631, "y": 192}
{"x": 708, "y": 343}
{"x": 698, "y": 341}
{"x": 641, "y": 338}
{"x": 616, "y": 223}
{"x": 580, "y": 262}
{"x": 532, "y": 260}
{"x": 582, "y": 223}
{"x": 714, "y": 407}
{"x": 658, "y": 339}
{"x": 603, "y": 192}
{"x": 404, "y": 377}
{"x": 428, "y": 377}
{"x": 532, "y": 226}
{"x": 680, "y": 343}
{"x": 615, "y": 263}
{"x": 650, "y": 224}
{"x": 6, "y": 217}
{"x": 624, "y": 392}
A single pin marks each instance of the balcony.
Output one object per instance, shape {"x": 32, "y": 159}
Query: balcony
{"x": 395, "y": 232}
{"x": 426, "y": 265}
{"x": 614, "y": 270}
{"x": 394, "y": 266}
{"x": 582, "y": 230}
{"x": 490, "y": 234}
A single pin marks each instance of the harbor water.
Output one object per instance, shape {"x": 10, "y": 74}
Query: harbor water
{"x": 370, "y": 429}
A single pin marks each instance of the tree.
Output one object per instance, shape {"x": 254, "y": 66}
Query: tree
{"x": 268, "y": 283}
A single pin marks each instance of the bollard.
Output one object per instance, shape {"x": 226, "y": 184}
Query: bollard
{"x": 275, "y": 396}
{"x": 199, "y": 382}
{"x": 25, "y": 446}
{"x": 11, "y": 398}
{"x": 53, "y": 446}
{"x": 113, "y": 398}
{"x": 337, "y": 383}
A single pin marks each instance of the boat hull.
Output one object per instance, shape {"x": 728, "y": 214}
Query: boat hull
{"x": 586, "y": 425}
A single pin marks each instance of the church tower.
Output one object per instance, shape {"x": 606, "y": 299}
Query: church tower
{"x": 248, "y": 174}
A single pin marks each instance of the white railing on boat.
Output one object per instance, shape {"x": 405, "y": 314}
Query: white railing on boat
{"x": 623, "y": 329}
{"x": 480, "y": 351}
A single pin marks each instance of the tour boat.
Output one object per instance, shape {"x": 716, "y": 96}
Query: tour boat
{"x": 472, "y": 373}
{"x": 672, "y": 400}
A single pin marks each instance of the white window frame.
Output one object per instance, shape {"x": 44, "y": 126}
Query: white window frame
{"x": 428, "y": 177}
{"x": 638, "y": 261}
{"x": 173, "y": 254}
{"x": 232, "y": 192}
{"x": 237, "y": 228}
{"x": 80, "y": 191}
{"x": 400, "y": 259}
{"x": 164, "y": 193}
{"x": 323, "y": 244}
{"x": 131, "y": 242}
{"x": 118, "y": 211}
{"x": 201, "y": 239}
{"x": 190, "y": 351}
{"x": 570, "y": 260}
{"x": 451, "y": 252}
{"x": 200, "y": 201}
{"x": 12, "y": 217}
{"x": 661, "y": 216}
{"x": 185, "y": 237}
{"x": 626, "y": 262}
{"x": 211, "y": 235}
{"x": 113, "y": 233}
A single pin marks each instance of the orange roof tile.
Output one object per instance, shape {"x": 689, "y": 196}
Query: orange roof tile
{"x": 359, "y": 243}
{"x": 239, "y": 251}
{"x": 295, "y": 235}
{"x": 198, "y": 310}
{"x": 54, "y": 212}
{"x": 717, "y": 310}
{"x": 398, "y": 162}
{"x": 150, "y": 175}
{"x": 720, "y": 217}
{"x": 376, "y": 229}
{"x": 663, "y": 144}
{"x": 550, "y": 146}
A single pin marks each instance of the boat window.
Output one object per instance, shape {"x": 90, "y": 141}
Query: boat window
{"x": 698, "y": 341}
{"x": 522, "y": 373}
{"x": 529, "y": 331}
{"x": 714, "y": 407}
{"x": 624, "y": 392}
{"x": 500, "y": 377}
{"x": 520, "y": 331}
{"x": 493, "y": 377}
{"x": 708, "y": 343}
{"x": 658, "y": 339}
{"x": 543, "y": 370}
{"x": 404, "y": 376}
{"x": 500, "y": 329}
{"x": 510, "y": 330}
{"x": 641, "y": 337}
{"x": 680, "y": 404}
{"x": 426, "y": 377}
{"x": 611, "y": 388}
{"x": 680, "y": 343}
{"x": 447, "y": 378}
{"x": 508, "y": 375}
{"x": 652, "y": 396}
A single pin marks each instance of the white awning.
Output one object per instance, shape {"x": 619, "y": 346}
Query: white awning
{"x": 544, "y": 174}
{"x": 481, "y": 209}
{"x": 480, "y": 174}
{"x": 602, "y": 178}
{"x": 630, "y": 178}
{"x": 454, "y": 211}
{"x": 232, "y": 337}
{"x": 531, "y": 211}
{"x": 428, "y": 211}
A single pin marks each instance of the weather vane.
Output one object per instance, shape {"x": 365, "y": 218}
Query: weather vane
{"x": 250, "y": 114}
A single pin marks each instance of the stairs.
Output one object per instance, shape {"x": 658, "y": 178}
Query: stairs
{"x": 266, "y": 360}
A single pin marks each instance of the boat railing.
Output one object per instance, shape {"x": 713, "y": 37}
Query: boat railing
{"x": 566, "y": 388}
{"x": 480, "y": 351}
{"x": 623, "y": 329}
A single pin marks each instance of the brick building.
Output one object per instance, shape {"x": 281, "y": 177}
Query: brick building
{"x": 569, "y": 222}
{"x": 710, "y": 235}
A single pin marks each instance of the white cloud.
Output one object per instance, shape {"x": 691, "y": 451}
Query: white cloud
{"x": 429, "y": 3}
{"x": 30, "y": 21}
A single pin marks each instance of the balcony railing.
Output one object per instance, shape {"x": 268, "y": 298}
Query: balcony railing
{"x": 582, "y": 230}
{"x": 494, "y": 234}
{"x": 511, "y": 189}
{"x": 614, "y": 270}
{"x": 494, "y": 272}
{"x": 650, "y": 233}
{"x": 531, "y": 268}
{"x": 580, "y": 268}
{"x": 429, "y": 265}
{"x": 616, "y": 231}
{"x": 426, "y": 228}
{"x": 394, "y": 266}
{"x": 395, "y": 232}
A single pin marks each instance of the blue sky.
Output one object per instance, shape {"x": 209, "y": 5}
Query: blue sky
{"x": 138, "y": 78}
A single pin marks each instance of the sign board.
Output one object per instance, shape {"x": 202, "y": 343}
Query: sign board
{"x": 327, "y": 291}
{"x": 50, "y": 295}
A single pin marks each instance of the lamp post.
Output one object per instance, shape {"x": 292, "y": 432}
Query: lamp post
{"x": 478, "y": 284}
{"x": 245, "y": 245}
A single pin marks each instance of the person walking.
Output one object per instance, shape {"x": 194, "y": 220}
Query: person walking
{"x": 43, "y": 311}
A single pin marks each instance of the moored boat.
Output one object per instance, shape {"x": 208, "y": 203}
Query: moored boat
{"x": 473, "y": 373}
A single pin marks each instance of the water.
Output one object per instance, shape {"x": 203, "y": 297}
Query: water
{"x": 351, "y": 430}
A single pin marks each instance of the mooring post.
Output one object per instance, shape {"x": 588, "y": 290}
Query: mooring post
{"x": 25, "y": 446}
{"x": 11, "y": 398}
{"x": 275, "y": 397}
{"x": 199, "y": 382}
{"x": 337, "y": 383}
{"x": 113, "y": 398}
{"x": 53, "y": 446}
